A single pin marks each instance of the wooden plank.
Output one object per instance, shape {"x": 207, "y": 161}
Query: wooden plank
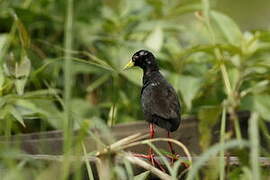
{"x": 51, "y": 142}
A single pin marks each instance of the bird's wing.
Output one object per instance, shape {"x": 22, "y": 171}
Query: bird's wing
{"x": 160, "y": 99}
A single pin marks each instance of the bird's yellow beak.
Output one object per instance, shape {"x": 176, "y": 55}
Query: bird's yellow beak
{"x": 129, "y": 65}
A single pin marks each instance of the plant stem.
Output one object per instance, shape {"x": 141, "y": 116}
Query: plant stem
{"x": 222, "y": 141}
{"x": 223, "y": 69}
{"x": 254, "y": 146}
{"x": 68, "y": 122}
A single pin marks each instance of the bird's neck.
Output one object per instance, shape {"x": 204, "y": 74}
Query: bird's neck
{"x": 148, "y": 73}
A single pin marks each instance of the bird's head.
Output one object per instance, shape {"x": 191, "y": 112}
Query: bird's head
{"x": 144, "y": 59}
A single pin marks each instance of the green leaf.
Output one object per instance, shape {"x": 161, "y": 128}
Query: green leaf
{"x": 22, "y": 71}
{"x": 227, "y": 27}
{"x": 9, "y": 66}
{"x": 23, "y": 68}
{"x": 27, "y": 108}
{"x": 188, "y": 86}
{"x": 24, "y": 37}
{"x": 155, "y": 40}
{"x": 44, "y": 93}
{"x": 250, "y": 43}
{"x": 17, "y": 115}
{"x": 134, "y": 75}
{"x": 186, "y": 7}
{"x": 50, "y": 112}
{"x": 142, "y": 176}
{"x": 20, "y": 84}
{"x": 208, "y": 116}
{"x": 262, "y": 106}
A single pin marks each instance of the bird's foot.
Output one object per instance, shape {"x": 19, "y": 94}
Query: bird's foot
{"x": 174, "y": 157}
{"x": 186, "y": 165}
{"x": 141, "y": 156}
{"x": 151, "y": 157}
{"x": 156, "y": 163}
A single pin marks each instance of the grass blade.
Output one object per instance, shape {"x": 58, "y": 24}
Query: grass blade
{"x": 88, "y": 166}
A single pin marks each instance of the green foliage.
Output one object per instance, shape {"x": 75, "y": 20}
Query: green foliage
{"x": 142, "y": 176}
{"x": 51, "y": 74}
{"x": 208, "y": 116}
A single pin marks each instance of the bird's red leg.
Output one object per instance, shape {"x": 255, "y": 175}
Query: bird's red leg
{"x": 171, "y": 147}
{"x": 154, "y": 162}
{"x": 150, "y": 152}
{"x": 151, "y": 155}
{"x": 173, "y": 152}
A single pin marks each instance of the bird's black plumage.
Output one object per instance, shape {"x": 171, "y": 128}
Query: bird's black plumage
{"x": 159, "y": 100}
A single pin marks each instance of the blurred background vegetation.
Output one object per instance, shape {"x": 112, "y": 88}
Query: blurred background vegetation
{"x": 215, "y": 53}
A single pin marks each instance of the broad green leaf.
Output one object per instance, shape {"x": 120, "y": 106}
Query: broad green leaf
{"x": 228, "y": 28}
{"x": 186, "y": 7}
{"x": 262, "y": 105}
{"x": 189, "y": 87}
{"x": 142, "y": 176}
{"x": 27, "y": 108}
{"x": 134, "y": 75}
{"x": 50, "y": 112}
{"x": 155, "y": 40}
{"x": 17, "y": 115}
{"x": 208, "y": 116}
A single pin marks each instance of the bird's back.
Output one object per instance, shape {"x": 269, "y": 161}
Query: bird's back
{"x": 159, "y": 101}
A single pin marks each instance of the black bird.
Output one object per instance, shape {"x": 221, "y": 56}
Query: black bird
{"x": 159, "y": 100}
